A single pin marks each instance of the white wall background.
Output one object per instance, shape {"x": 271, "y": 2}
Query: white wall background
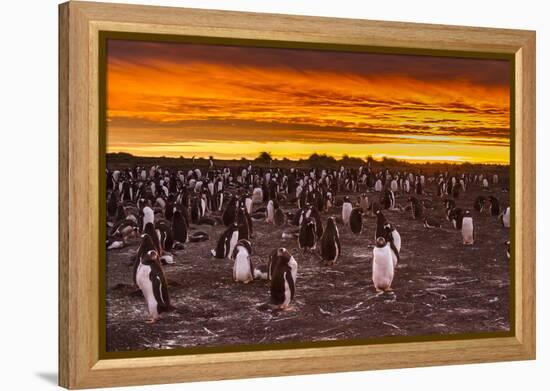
{"x": 28, "y": 126}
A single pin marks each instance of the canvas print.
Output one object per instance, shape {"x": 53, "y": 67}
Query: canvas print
{"x": 268, "y": 196}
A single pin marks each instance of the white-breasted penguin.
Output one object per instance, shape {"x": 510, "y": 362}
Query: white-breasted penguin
{"x": 270, "y": 215}
{"x": 346, "y": 210}
{"x": 330, "y": 243}
{"x": 283, "y": 279}
{"x": 179, "y": 228}
{"x": 467, "y": 229}
{"x": 148, "y": 216}
{"x": 150, "y": 279}
{"x": 356, "y": 220}
{"x": 307, "y": 239}
{"x": 243, "y": 270}
{"x": 382, "y": 266}
{"x": 226, "y": 242}
{"x": 505, "y": 218}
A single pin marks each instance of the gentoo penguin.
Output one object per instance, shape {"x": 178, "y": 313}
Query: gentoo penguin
{"x": 283, "y": 280}
{"x": 227, "y": 242}
{"x": 257, "y": 195}
{"x": 152, "y": 232}
{"x": 393, "y": 239}
{"x": 479, "y": 204}
{"x": 307, "y": 239}
{"x": 346, "y": 210}
{"x": 387, "y": 199}
{"x": 242, "y": 222}
{"x": 270, "y": 212}
{"x": 380, "y": 225}
{"x": 431, "y": 222}
{"x": 364, "y": 203}
{"x": 230, "y": 212}
{"x": 382, "y": 266}
{"x": 330, "y": 243}
{"x": 507, "y": 243}
{"x": 112, "y": 204}
{"x": 279, "y": 217}
{"x": 417, "y": 208}
{"x": 485, "y": 184}
{"x": 467, "y": 229}
{"x": 456, "y": 216}
{"x": 243, "y": 270}
{"x": 356, "y": 220}
{"x": 505, "y": 218}
{"x": 150, "y": 279}
{"x": 281, "y": 255}
{"x": 495, "y": 206}
{"x": 148, "y": 216}
{"x": 378, "y": 186}
{"x": 179, "y": 228}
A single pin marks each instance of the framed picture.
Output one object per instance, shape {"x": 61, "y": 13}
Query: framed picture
{"x": 246, "y": 195}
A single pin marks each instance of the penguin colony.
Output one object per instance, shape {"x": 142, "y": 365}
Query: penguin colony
{"x": 163, "y": 209}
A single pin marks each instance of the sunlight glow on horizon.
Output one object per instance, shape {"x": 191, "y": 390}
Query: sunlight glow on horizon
{"x": 183, "y": 100}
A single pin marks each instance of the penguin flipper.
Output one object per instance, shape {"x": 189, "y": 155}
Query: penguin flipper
{"x": 160, "y": 287}
{"x": 290, "y": 281}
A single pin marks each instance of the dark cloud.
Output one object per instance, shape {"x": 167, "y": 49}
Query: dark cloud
{"x": 426, "y": 68}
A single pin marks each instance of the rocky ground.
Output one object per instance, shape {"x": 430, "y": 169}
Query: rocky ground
{"x": 440, "y": 287}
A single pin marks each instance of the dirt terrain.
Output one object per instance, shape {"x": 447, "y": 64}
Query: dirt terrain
{"x": 440, "y": 287}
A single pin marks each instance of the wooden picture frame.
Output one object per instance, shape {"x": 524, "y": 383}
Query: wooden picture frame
{"x": 80, "y": 24}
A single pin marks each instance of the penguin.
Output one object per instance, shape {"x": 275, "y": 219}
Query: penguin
{"x": 507, "y": 243}
{"x": 242, "y": 222}
{"x": 364, "y": 203}
{"x": 417, "y": 208}
{"x": 226, "y": 242}
{"x": 279, "y": 217}
{"x": 495, "y": 206}
{"x": 479, "y": 204}
{"x": 112, "y": 204}
{"x": 380, "y": 225}
{"x": 505, "y": 218}
{"x": 281, "y": 255}
{"x": 151, "y": 281}
{"x": 148, "y": 216}
{"x": 467, "y": 229}
{"x": 387, "y": 199}
{"x": 346, "y": 210}
{"x": 230, "y": 212}
{"x": 270, "y": 212}
{"x": 431, "y": 222}
{"x": 455, "y": 217}
{"x": 307, "y": 239}
{"x": 356, "y": 221}
{"x": 152, "y": 233}
{"x": 166, "y": 237}
{"x": 330, "y": 243}
{"x": 243, "y": 270}
{"x": 378, "y": 186}
{"x": 382, "y": 266}
{"x": 257, "y": 195}
{"x": 393, "y": 239}
{"x": 283, "y": 280}
{"x": 179, "y": 228}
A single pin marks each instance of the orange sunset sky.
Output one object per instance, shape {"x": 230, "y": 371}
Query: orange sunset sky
{"x": 179, "y": 99}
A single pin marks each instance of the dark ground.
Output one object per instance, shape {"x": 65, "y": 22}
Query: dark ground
{"x": 441, "y": 287}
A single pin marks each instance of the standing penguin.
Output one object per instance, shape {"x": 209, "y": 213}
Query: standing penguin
{"x": 281, "y": 255}
{"x": 456, "y": 217}
{"x": 346, "y": 210}
{"x": 507, "y": 243}
{"x": 364, "y": 202}
{"x": 227, "y": 242}
{"x": 417, "y": 208}
{"x": 230, "y": 212}
{"x": 307, "y": 238}
{"x": 382, "y": 266}
{"x": 243, "y": 270}
{"x": 495, "y": 206}
{"x": 467, "y": 229}
{"x": 148, "y": 216}
{"x": 150, "y": 279}
{"x": 279, "y": 217}
{"x": 283, "y": 280}
{"x": 330, "y": 243}
{"x": 179, "y": 228}
{"x": 505, "y": 218}
{"x": 356, "y": 221}
{"x": 270, "y": 212}
{"x": 479, "y": 204}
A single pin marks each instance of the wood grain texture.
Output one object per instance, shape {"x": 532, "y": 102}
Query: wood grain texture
{"x": 79, "y": 363}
